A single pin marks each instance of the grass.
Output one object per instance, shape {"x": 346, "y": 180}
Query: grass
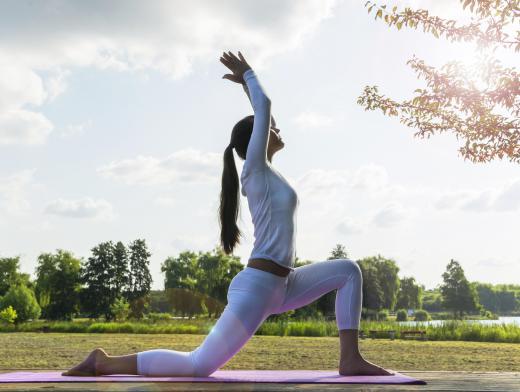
{"x": 451, "y": 330}
{"x": 62, "y": 350}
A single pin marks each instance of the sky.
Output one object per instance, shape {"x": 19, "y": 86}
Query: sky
{"x": 114, "y": 117}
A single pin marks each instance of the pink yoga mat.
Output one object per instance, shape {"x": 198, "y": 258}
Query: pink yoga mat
{"x": 276, "y": 376}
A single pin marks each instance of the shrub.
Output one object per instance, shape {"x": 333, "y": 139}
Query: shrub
{"x": 401, "y": 315}
{"x": 8, "y": 315}
{"x": 382, "y": 315}
{"x": 155, "y": 317}
{"x": 23, "y": 301}
{"x": 120, "y": 308}
{"x": 422, "y": 315}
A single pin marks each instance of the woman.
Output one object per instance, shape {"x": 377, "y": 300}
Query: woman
{"x": 269, "y": 284}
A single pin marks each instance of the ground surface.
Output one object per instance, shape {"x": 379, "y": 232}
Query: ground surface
{"x": 446, "y": 366}
{"x": 437, "y": 381}
{"x": 62, "y": 350}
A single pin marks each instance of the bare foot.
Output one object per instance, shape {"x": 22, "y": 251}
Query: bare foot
{"x": 361, "y": 367}
{"x": 89, "y": 366}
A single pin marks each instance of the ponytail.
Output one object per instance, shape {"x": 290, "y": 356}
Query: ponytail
{"x": 229, "y": 203}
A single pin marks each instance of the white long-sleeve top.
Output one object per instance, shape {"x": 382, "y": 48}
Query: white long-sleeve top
{"x": 272, "y": 201}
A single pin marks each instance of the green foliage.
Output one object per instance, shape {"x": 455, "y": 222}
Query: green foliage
{"x": 8, "y": 315}
{"x": 401, "y": 315}
{"x": 138, "y": 307}
{"x": 22, "y": 300}
{"x": 58, "y": 284}
{"x": 140, "y": 277}
{"x": 458, "y": 295}
{"x": 10, "y": 274}
{"x": 197, "y": 281}
{"x": 432, "y": 301}
{"x": 339, "y": 252}
{"x": 98, "y": 275}
{"x": 482, "y": 111}
{"x": 122, "y": 275}
{"x": 450, "y": 330}
{"x": 410, "y": 294}
{"x": 382, "y": 315}
{"x": 421, "y": 315}
{"x": 380, "y": 282}
{"x": 107, "y": 277}
{"x": 120, "y": 309}
{"x": 158, "y": 317}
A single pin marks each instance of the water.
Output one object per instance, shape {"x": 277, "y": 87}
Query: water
{"x": 501, "y": 320}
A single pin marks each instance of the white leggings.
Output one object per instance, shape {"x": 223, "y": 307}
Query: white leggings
{"x": 253, "y": 295}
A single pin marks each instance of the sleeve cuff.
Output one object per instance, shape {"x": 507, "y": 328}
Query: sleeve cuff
{"x": 247, "y": 74}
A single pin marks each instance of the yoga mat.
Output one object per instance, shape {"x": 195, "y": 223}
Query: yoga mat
{"x": 272, "y": 376}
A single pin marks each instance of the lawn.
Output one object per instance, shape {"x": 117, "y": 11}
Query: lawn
{"x": 61, "y": 350}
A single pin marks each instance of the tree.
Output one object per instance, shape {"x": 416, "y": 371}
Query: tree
{"x": 506, "y": 301}
{"x": 458, "y": 295}
{"x": 140, "y": 277}
{"x": 198, "y": 281}
{"x": 121, "y": 272}
{"x": 214, "y": 272}
{"x": 380, "y": 282}
{"x": 58, "y": 283}
{"x": 388, "y": 280}
{"x": 453, "y": 102}
{"x": 432, "y": 300}
{"x": 140, "y": 281}
{"x": 23, "y": 301}
{"x": 372, "y": 291}
{"x": 339, "y": 252}
{"x": 98, "y": 274}
{"x": 487, "y": 296}
{"x": 8, "y": 315}
{"x": 410, "y": 294}
{"x": 10, "y": 274}
{"x": 120, "y": 308}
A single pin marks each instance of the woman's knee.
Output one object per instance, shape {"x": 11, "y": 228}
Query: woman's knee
{"x": 352, "y": 269}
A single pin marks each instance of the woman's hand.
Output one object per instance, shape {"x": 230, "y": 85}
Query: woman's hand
{"x": 237, "y": 65}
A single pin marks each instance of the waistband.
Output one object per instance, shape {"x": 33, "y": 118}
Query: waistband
{"x": 263, "y": 274}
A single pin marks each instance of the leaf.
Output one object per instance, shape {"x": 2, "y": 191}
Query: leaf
{"x": 379, "y": 14}
{"x": 399, "y": 25}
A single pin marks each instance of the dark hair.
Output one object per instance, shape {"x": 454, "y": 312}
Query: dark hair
{"x": 229, "y": 197}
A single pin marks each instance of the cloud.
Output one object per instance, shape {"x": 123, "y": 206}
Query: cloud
{"x": 317, "y": 183}
{"x": 42, "y": 42}
{"x": 14, "y": 190}
{"x": 349, "y": 226}
{"x": 508, "y": 199}
{"x": 313, "y": 120}
{"x": 187, "y": 166}
{"x": 166, "y": 201}
{"x": 81, "y": 208}
{"x": 23, "y": 127}
{"x": 503, "y": 199}
{"x": 370, "y": 177}
{"x": 390, "y": 215}
{"x": 75, "y": 129}
{"x": 450, "y": 200}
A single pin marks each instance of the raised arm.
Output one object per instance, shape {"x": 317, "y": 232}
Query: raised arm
{"x": 257, "y": 149}
{"x": 246, "y": 90}
{"x": 256, "y": 157}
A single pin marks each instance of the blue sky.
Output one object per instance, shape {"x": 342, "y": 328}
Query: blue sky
{"x": 114, "y": 118}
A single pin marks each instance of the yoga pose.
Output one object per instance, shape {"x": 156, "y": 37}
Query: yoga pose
{"x": 269, "y": 284}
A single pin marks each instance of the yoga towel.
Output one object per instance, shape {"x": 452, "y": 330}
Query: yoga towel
{"x": 271, "y": 376}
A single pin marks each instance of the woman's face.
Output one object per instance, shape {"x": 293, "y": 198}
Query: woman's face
{"x": 275, "y": 141}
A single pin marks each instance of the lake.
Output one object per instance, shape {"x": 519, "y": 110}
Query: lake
{"x": 501, "y": 320}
